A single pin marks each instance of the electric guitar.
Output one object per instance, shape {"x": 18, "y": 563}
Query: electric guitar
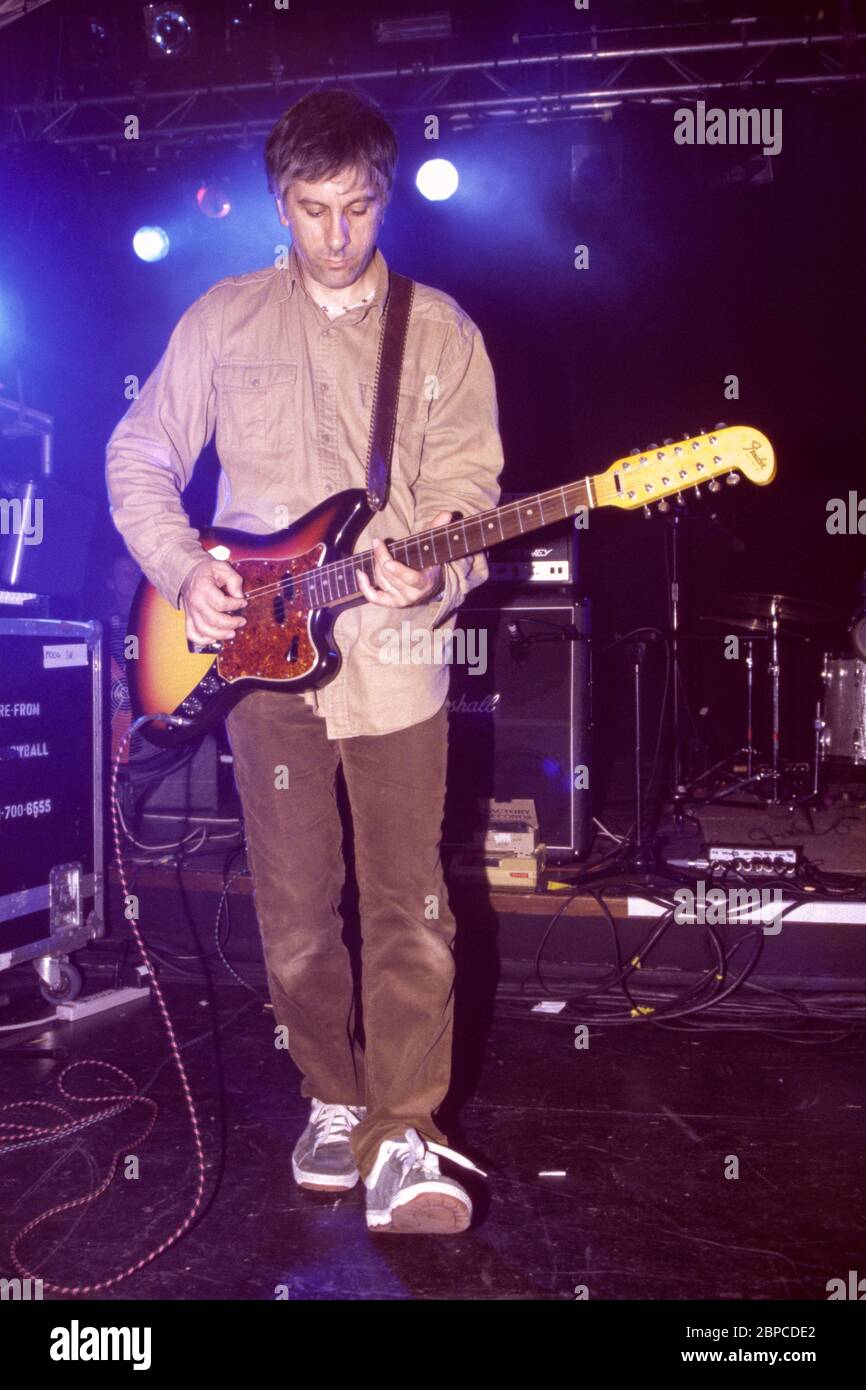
{"x": 299, "y": 579}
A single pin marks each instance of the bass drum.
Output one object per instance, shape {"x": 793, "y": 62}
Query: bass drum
{"x": 844, "y": 710}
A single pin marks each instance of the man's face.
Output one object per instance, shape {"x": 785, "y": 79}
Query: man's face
{"x": 334, "y": 226}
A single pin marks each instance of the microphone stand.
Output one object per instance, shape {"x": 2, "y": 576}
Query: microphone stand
{"x": 679, "y": 790}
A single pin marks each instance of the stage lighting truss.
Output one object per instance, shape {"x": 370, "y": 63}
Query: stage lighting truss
{"x": 531, "y": 81}
{"x": 10, "y": 10}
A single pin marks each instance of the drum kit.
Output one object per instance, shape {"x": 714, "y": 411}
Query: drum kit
{"x": 759, "y": 622}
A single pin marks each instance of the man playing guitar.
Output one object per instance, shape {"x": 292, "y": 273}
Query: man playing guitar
{"x": 279, "y": 365}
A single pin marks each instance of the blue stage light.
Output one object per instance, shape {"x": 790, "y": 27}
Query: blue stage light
{"x": 150, "y": 243}
{"x": 437, "y": 179}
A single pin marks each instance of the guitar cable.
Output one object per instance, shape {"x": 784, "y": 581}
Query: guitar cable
{"x": 16, "y": 1135}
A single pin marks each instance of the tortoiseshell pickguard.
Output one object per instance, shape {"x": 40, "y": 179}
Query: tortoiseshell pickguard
{"x": 275, "y": 643}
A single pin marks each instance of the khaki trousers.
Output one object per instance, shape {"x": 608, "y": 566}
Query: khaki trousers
{"x": 396, "y": 788}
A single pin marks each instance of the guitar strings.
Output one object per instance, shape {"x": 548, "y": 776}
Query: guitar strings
{"x": 339, "y": 566}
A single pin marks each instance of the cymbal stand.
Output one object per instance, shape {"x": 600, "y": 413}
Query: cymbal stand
{"x": 645, "y": 852}
{"x": 776, "y": 687}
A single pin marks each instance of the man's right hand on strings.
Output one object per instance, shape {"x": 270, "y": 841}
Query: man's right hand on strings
{"x": 210, "y": 594}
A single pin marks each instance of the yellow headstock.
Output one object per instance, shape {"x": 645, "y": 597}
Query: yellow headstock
{"x": 647, "y": 477}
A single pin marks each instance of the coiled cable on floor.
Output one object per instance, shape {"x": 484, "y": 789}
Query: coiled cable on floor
{"x": 16, "y": 1135}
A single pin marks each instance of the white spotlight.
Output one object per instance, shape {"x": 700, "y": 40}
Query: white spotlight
{"x": 150, "y": 243}
{"x": 437, "y": 179}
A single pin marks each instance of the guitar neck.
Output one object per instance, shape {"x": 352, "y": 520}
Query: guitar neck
{"x": 336, "y": 583}
{"x": 629, "y": 483}
{"x": 485, "y": 529}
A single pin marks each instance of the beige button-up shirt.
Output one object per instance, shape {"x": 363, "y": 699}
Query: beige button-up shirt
{"x": 288, "y": 393}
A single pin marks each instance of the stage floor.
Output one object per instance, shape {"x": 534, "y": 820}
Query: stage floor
{"x": 609, "y": 1165}
{"x": 641, "y": 1126}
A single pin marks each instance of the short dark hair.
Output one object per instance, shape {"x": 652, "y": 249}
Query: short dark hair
{"x": 326, "y": 132}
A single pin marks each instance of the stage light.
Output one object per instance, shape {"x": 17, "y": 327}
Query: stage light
{"x": 150, "y": 244}
{"x": 213, "y": 200}
{"x": 437, "y": 179}
{"x": 170, "y": 33}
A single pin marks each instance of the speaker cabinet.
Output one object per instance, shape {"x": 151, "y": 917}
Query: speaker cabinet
{"x": 520, "y": 715}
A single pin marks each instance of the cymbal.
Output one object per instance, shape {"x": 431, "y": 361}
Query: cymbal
{"x": 758, "y": 629}
{"x": 801, "y": 611}
{"x": 755, "y": 627}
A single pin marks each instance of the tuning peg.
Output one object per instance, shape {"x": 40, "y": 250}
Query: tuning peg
{"x": 732, "y": 479}
{"x": 720, "y": 425}
{"x": 680, "y": 500}
{"x": 664, "y": 505}
{"x": 634, "y": 451}
{"x": 647, "y": 511}
{"x": 715, "y": 485}
{"x": 697, "y": 491}
{"x": 667, "y": 441}
{"x": 653, "y": 446}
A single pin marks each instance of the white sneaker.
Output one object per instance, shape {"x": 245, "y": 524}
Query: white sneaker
{"x": 322, "y": 1159}
{"x": 407, "y": 1193}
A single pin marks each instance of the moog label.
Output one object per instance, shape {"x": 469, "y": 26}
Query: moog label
{"x": 68, "y": 654}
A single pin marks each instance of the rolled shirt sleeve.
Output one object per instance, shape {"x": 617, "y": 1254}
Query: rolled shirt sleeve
{"x": 462, "y": 456}
{"x": 153, "y": 450}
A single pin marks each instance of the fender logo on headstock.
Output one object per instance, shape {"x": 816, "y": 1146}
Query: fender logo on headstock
{"x": 755, "y": 456}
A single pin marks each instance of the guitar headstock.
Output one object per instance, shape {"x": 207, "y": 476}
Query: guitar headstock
{"x": 670, "y": 468}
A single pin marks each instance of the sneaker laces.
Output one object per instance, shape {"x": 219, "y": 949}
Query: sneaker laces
{"x": 423, "y": 1152}
{"x": 333, "y": 1124}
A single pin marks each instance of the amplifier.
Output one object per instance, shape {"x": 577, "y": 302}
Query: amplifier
{"x": 51, "y": 795}
{"x": 190, "y": 786}
{"x": 520, "y": 720}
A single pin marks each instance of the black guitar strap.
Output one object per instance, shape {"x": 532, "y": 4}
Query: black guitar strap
{"x": 389, "y": 366}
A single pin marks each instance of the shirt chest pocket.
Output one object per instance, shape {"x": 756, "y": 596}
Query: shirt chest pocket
{"x": 411, "y": 422}
{"x": 256, "y": 406}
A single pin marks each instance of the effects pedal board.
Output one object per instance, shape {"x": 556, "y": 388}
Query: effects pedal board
{"x": 772, "y": 861}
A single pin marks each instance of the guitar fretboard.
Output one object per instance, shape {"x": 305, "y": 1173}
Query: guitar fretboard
{"x": 337, "y": 581}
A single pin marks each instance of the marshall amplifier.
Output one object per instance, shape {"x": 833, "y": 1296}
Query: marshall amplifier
{"x": 520, "y": 719}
